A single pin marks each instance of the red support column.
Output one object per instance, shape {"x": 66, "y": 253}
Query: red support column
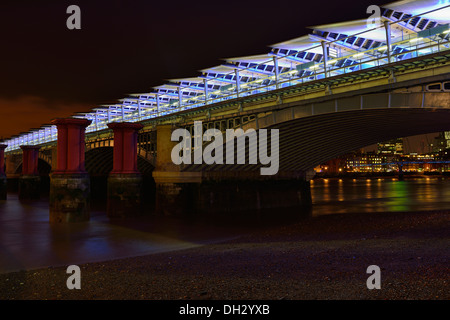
{"x": 29, "y": 181}
{"x": 2, "y": 158}
{"x": 71, "y": 145}
{"x": 3, "y": 181}
{"x": 70, "y": 183}
{"x": 125, "y": 146}
{"x": 125, "y": 181}
{"x": 30, "y": 157}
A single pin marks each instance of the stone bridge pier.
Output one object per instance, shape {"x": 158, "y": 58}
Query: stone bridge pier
{"x": 223, "y": 193}
{"x": 125, "y": 181}
{"x": 246, "y": 196}
{"x": 175, "y": 190}
{"x": 69, "y": 181}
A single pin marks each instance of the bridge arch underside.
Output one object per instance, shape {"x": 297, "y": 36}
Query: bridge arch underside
{"x": 99, "y": 163}
{"x": 307, "y": 142}
{"x": 44, "y": 168}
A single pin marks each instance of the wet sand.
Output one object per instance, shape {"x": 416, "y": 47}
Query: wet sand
{"x": 325, "y": 257}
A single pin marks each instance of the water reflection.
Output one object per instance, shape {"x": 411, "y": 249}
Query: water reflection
{"x": 28, "y": 240}
{"x": 380, "y": 195}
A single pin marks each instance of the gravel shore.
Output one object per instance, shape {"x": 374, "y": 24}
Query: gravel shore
{"x": 317, "y": 258}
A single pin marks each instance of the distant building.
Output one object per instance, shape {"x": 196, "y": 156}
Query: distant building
{"x": 441, "y": 142}
{"x": 366, "y": 162}
{"x": 391, "y": 147}
{"x": 390, "y": 157}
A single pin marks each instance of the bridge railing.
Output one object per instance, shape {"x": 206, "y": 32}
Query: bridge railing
{"x": 278, "y": 71}
{"x": 401, "y": 48}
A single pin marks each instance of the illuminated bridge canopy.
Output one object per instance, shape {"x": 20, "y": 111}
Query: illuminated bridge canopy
{"x": 407, "y": 29}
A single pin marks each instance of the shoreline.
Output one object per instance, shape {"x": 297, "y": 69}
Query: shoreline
{"x": 323, "y": 257}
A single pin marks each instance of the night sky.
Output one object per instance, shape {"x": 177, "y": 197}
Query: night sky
{"x": 49, "y": 71}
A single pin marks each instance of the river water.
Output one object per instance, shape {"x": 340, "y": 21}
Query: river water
{"x": 331, "y": 196}
{"x": 28, "y": 241}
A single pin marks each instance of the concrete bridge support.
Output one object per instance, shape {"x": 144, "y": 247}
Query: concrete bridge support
{"x": 226, "y": 194}
{"x": 3, "y": 181}
{"x": 249, "y": 198}
{"x": 125, "y": 181}
{"x": 69, "y": 182}
{"x": 29, "y": 181}
{"x": 175, "y": 190}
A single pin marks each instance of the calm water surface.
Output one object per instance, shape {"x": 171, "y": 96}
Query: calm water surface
{"x": 28, "y": 241}
{"x": 332, "y": 196}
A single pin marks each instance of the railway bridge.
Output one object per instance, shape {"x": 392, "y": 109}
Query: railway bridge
{"x": 343, "y": 87}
